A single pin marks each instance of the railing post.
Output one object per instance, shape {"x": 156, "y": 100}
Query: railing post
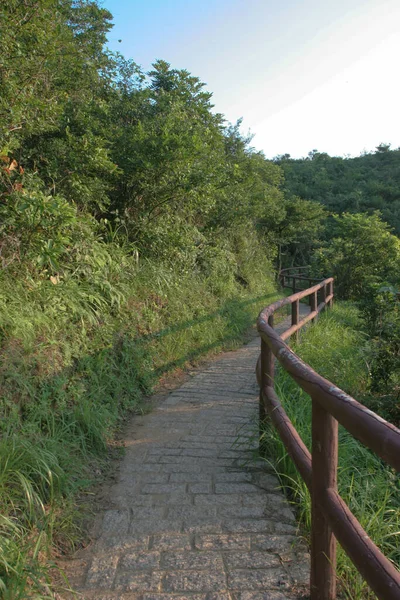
{"x": 324, "y": 476}
{"x": 295, "y": 316}
{"x": 313, "y": 302}
{"x": 331, "y": 293}
{"x": 323, "y": 292}
{"x": 267, "y": 360}
{"x": 267, "y": 373}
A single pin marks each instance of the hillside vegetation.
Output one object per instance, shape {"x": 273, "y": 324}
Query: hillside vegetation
{"x": 134, "y": 237}
{"x": 366, "y": 183}
{"x": 138, "y": 231}
{"x": 359, "y": 246}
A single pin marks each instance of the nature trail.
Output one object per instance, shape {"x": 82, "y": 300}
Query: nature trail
{"x": 194, "y": 512}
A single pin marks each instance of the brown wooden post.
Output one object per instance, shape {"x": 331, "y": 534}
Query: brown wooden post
{"x": 331, "y": 292}
{"x": 324, "y": 473}
{"x": 310, "y": 298}
{"x": 328, "y": 293}
{"x": 267, "y": 373}
{"x": 267, "y": 360}
{"x": 262, "y": 413}
{"x": 295, "y": 316}
{"x": 313, "y": 302}
{"x": 323, "y": 293}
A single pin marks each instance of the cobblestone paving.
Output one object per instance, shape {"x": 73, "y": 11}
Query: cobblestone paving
{"x": 194, "y": 513}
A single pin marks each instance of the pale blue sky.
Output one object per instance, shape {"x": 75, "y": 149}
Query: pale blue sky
{"x": 303, "y": 74}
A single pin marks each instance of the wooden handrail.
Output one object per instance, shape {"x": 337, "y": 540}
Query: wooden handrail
{"x": 331, "y": 517}
{"x": 305, "y": 267}
{"x": 289, "y": 276}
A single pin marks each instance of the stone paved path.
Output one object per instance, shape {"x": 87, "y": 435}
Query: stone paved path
{"x": 194, "y": 514}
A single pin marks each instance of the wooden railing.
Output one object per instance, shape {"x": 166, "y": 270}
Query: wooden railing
{"x": 331, "y": 517}
{"x": 288, "y": 278}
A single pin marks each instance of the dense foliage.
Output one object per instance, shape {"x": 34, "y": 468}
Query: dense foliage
{"x": 359, "y": 251}
{"x": 359, "y": 246}
{"x": 88, "y": 135}
{"x": 380, "y": 309}
{"x": 366, "y": 183}
{"x": 137, "y": 232}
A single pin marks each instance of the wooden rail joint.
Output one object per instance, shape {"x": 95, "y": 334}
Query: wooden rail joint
{"x": 289, "y": 277}
{"x": 331, "y": 518}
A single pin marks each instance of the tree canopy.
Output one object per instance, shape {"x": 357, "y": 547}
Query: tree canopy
{"x": 87, "y": 134}
{"x": 366, "y": 183}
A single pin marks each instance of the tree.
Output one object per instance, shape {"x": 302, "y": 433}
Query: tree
{"x": 171, "y": 153}
{"x": 49, "y": 48}
{"x": 362, "y": 252}
{"x": 298, "y": 233}
{"x": 249, "y": 191}
{"x": 52, "y": 87}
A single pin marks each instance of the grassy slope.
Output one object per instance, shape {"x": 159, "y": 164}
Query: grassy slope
{"x": 334, "y": 348}
{"x": 75, "y": 356}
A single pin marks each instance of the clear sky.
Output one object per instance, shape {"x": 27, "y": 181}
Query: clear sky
{"x": 303, "y": 74}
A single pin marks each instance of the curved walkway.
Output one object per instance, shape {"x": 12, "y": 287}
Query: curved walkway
{"x": 194, "y": 513}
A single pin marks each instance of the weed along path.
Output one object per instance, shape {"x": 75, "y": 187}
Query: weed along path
{"x": 194, "y": 513}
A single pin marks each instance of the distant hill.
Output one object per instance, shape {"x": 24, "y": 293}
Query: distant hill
{"x": 364, "y": 184}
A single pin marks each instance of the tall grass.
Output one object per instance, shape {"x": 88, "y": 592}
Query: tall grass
{"x": 77, "y": 353}
{"x": 334, "y": 348}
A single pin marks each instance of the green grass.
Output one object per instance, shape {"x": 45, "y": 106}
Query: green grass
{"x": 77, "y": 355}
{"x": 334, "y": 348}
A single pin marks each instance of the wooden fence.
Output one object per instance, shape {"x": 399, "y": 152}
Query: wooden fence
{"x": 288, "y": 278}
{"x": 331, "y": 517}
